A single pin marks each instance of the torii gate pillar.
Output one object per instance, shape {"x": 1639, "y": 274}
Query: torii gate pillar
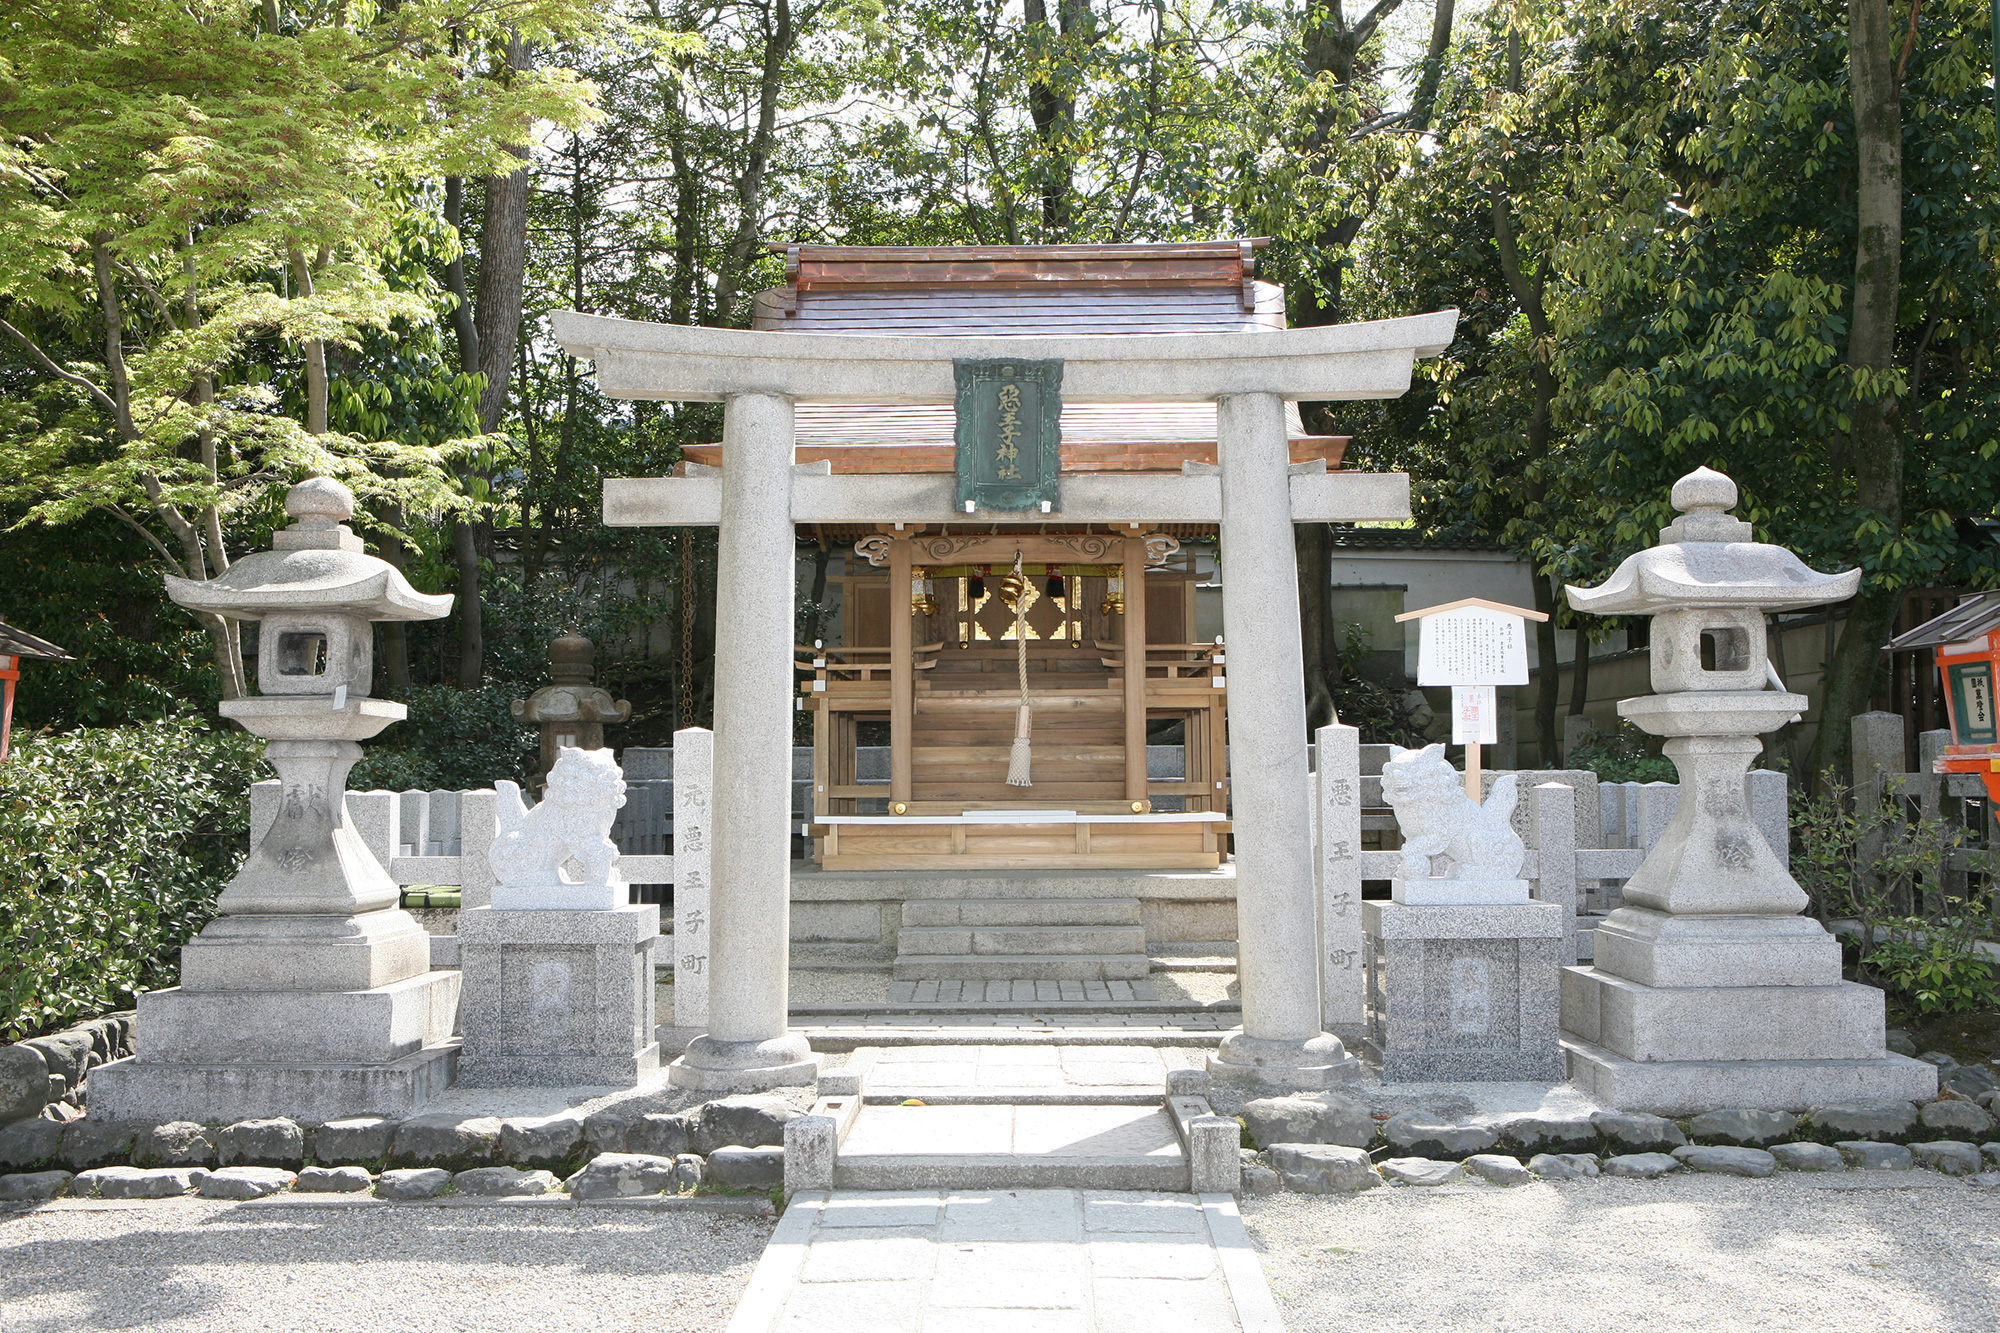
{"x": 749, "y": 1045}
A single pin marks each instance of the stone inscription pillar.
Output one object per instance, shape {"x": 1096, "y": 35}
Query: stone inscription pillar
{"x": 749, "y": 1045}
{"x": 1282, "y": 1043}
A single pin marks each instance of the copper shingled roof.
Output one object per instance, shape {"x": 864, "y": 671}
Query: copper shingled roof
{"x": 1205, "y": 287}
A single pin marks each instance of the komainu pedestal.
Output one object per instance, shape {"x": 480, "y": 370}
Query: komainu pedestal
{"x": 1465, "y": 993}
{"x": 1708, "y": 988}
{"x": 557, "y": 998}
{"x": 1461, "y": 965}
{"x": 559, "y": 969}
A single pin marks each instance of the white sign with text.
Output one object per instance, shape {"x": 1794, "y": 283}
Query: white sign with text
{"x": 1472, "y": 646}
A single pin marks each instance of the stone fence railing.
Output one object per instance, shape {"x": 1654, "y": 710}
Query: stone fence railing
{"x": 1585, "y": 838}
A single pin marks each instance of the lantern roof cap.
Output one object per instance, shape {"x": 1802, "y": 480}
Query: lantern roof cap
{"x": 318, "y": 566}
{"x": 330, "y": 582}
{"x": 1706, "y": 559}
{"x": 1968, "y": 620}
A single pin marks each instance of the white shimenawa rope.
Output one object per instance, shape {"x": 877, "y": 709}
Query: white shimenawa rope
{"x": 1018, "y": 757}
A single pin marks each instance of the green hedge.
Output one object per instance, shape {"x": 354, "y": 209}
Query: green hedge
{"x": 114, "y": 843}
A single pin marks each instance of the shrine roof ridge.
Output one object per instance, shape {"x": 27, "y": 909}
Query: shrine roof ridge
{"x": 637, "y": 359}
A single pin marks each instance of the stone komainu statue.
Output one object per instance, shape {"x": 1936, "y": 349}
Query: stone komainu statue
{"x": 572, "y": 824}
{"x": 1438, "y": 819}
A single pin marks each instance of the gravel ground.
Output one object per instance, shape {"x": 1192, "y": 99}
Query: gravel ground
{"x": 1863, "y": 1251}
{"x": 192, "y": 1266}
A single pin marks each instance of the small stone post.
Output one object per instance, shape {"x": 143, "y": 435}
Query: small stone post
{"x": 1552, "y": 833}
{"x": 1337, "y": 789}
{"x": 694, "y": 758}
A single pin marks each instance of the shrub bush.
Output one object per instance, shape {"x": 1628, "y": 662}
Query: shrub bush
{"x": 1622, "y": 756}
{"x": 114, "y": 843}
{"x": 453, "y": 740}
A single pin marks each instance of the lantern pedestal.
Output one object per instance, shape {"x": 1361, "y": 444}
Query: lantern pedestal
{"x": 314, "y": 997}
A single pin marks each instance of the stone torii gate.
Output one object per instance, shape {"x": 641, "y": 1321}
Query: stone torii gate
{"x": 1251, "y": 492}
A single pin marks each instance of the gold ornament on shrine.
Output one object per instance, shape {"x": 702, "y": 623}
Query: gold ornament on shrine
{"x": 923, "y": 594}
{"x": 1114, "y": 596}
{"x": 1018, "y": 591}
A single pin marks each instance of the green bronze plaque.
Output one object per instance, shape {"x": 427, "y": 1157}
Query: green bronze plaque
{"x": 1972, "y": 703}
{"x": 1009, "y": 435}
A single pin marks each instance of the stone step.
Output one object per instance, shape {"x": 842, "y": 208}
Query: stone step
{"x": 1022, "y": 912}
{"x": 1014, "y": 991}
{"x": 1012, "y": 1147}
{"x": 985, "y": 940}
{"x": 1024, "y": 967}
{"x": 813, "y": 884}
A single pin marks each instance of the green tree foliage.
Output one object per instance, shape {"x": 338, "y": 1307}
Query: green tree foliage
{"x": 180, "y": 182}
{"x": 114, "y": 843}
{"x": 1681, "y": 181}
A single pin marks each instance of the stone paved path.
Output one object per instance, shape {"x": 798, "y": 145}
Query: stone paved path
{"x": 1014, "y": 1073}
{"x": 997, "y": 1261}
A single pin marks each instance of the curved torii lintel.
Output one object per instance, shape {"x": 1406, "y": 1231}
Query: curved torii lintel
{"x": 637, "y": 359}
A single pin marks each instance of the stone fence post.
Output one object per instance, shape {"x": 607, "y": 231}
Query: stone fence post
{"x": 1552, "y": 835}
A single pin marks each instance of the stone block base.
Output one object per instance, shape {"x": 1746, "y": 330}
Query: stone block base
{"x": 1510, "y": 1066}
{"x": 305, "y": 952}
{"x": 557, "y": 997}
{"x": 1843, "y": 1021}
{"x": 1464, "y": 992}
{"x": 557, "y": 1071}
{"x": 1687, "y": 1087}
{"x": 1458, "y": 892}
{"x": 801, "y": 1073}
{"x": 130, "y": 1090}
{"x": 297, "y": 1027}
{"x": 1655, "y": 949}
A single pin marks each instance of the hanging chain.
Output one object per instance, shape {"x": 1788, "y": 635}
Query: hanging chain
{"x": 686, "y": 700}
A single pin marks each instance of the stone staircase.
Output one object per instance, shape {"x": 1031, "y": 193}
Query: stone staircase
{"x": 1021, "y": 939}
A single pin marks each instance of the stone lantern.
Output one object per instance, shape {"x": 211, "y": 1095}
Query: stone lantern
{"x": 572, "y": 711}
{"x": 1708, "y": 989}
{"x": 311, "y": 996}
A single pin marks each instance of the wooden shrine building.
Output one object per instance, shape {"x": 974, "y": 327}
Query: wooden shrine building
{"x": 921, "y": 653}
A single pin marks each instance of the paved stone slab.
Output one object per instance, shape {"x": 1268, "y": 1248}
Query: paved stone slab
{"x": 1008, "y": 1261}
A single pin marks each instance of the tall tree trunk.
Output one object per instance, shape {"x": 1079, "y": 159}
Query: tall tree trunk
{"x": 1548, "y": 678}
{"x": 496, "y": 328}
{"x": 315, "y": 353}
{"x": 454, "y": 278}
{"x": 503, "y": 264}
{"x": 1424, "y": 101}
{"x": 1052, "y": 107}
{"x": 780, "y": 37}
{"x": 1579, "y": 677}
{"x": 1527, "y": 292}
{"x": 1876, "y": 443}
